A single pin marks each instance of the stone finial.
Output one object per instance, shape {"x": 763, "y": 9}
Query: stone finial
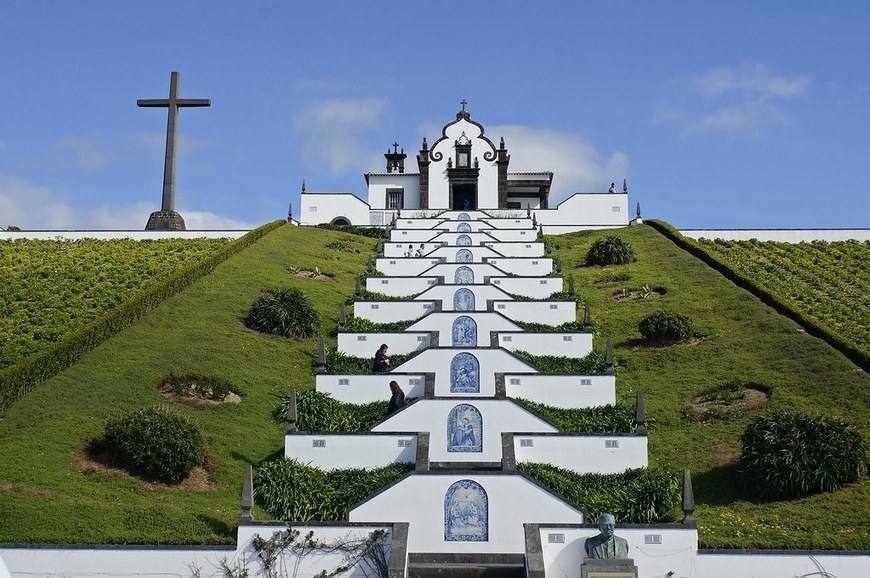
{"x": 303, "y": 186}
{"x": 425, "y": 144}
{"x": 688, "y": 498}
{"x": 608, "y": 357}
{"x": 570, "y": 285}
{"x": 371, "y": 265}
{"x": 548, "y": 247}
{"x": 357, "y": 293}
{"x": 292, "y": 415}
{"x": 321, "y": 358}
{"x": 534, "y": 220}
{"x": 248, "y": 496}
{"x": 639, "y": 419}
{"x": 558, "y": 263}
{"x": 528, "y": 209}
{"x": 476, "y": 163}
{"x": 380, "y": 248}
{"x": 638, "y": 209}
{"x": 501, "y": 143}
{"x": 342, "y": 316}
{"x": 290, "y": 213}
{"x": 540, "y": 231}
{"x": 625, "y": 186}
{"x": 587, "y": 314}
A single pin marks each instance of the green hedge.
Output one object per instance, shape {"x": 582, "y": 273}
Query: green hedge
{"x": 601, "y": 419}
{"x": 813, "y": 326}
{"x": 18, "y": 379}
{"x": 595, "y": 362}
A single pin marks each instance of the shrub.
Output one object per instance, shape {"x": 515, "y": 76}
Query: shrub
{"x": 288, "y": 313}
{"x": 610, "y": 250}
{"x": 156, "y": 443}
{"x": 289, "y": 490}
{"x": 787, "y": 455}
{"x": 319, "y": 412}
{"x": 595, "y": 362}
{"x": 601, "y": 419}
{"x": 664, "y": 327}
{"x": 373, "y": 232}
{"x": 637, "y": 496}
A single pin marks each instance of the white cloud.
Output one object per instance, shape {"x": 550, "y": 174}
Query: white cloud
{"x": 578, "y": 165}
{"x": 739, "y": 101}
{"x": 332, "y": 132}
{"x": 36, "y": 207}
{"x": 76, "y": 152}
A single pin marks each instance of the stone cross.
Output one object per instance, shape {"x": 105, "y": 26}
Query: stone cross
{"x": 172, "y": 103}
{"x": 463, "y": 102}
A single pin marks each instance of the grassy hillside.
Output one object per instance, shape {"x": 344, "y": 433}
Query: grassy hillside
{"x": 50, "y": 492}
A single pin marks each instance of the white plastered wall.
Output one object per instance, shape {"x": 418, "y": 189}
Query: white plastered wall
{"x": 562, "y": 390}
{"x": 445, "y": 294}
{"x": 404, "y": 267}
{"x": 361, "y": 344}
{"x": 548, "y": 312}
{"x": 507, "y": 514}
{"x": 487, "y": 183}
{"x": 408, "y": 182}
{"x": 526, "y": 266}
{"x": 534, "y": 287}
{"x": 399, "y": 286}
{"x": 438, "y": 361}
{"x": 391, "y": 311}
{"x": 567, "y": 344}
{"x": 517, "y": 248}
{"x": 368, "y": 387}
{"x": 442, "y": 323}
{"x": 584, "y": 453}
{"x": 325, "y": 207}
{"x": 598, "y": 209}
{"x": 330, "y": 452}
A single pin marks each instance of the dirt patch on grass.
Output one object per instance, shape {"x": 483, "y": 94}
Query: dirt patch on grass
{"x": 727, "y": 401}
{"x": 643, "y": 293}
{"x": 95, "y": 459}
{"x": 314, "y": 276}
{"x": 197, "y": 391}
{"x": 640, "y": 345}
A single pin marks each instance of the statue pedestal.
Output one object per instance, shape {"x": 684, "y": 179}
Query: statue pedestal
{"x": 165, "y": 221}
{"x": 619, "y": 568}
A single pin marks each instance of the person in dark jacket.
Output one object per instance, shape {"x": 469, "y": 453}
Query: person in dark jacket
{"x": 381, "y": 361}
{"x": 397, "y": 401}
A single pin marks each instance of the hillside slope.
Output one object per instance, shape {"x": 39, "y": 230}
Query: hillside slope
{"x": 51, "y": 492}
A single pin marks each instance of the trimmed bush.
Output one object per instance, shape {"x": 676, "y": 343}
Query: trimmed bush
{"x": 288, "y": 313}
{"x": 788, "y": 455}
{"x": 638, "y": 496}
{"x": 610, "y": 250}
{"x": 601, "y": 419}
{"x": 595, "y": 362}
{"x": 156, "y": 443}
{"x": 664, "y": 327}
{"x": 289, "y": 490}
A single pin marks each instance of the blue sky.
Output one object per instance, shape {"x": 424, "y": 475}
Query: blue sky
{"x": 739, "y": 114}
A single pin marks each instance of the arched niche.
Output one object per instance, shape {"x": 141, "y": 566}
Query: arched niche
{"x": 463, "y": 276}
{"x": 463, "y": 228}
{"x": 463, "y": 240}
{"x": 464, "y": 256}
{"x": 466, "y": 512}
{"x": 464, "y": 374}
{"x": 464, "y": 429}
{"x": 463, "y": 300}
{"x": 464, "y": 331}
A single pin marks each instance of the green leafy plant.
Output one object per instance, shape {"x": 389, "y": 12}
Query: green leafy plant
{"x": 636, "y": 496}
{"x": 595, "y": 362}
{"x": 610, "y": 250}
{"x": 665, "y": 327}
{"x": 288, "y": 313}
{"x": 320, "y": 412}
{"x": 156, "y": 443}
{"x": 360, "y": 324}
{"x": 373, "y": 232}
{"x": 617, "y": 418}
{"x": 788, "y": 455}
{"x": 289, "y": 490}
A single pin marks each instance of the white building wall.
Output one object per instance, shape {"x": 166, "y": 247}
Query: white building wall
{"x": 584, "y": 454}
{"x": 499, "y": 415}
{"x": 330, "y": 451}
{"x": 487, "y": 184}
{"x": 562, "y": 390}
{"x": 391, "y": 311}
{"x": 568, "y": 344}
{"x": 358, "y": 344}
{"x": 413, "y": 235}
{"x": 507, "y": 514}
{"x": 598, "y": 209}
{"x": 325, "y": 207}
{"x": 780, "y": 235}
{"x": 399, "y": 286}
{"x": 475, "y": 226}
{"x": 548, "y": 312}
{"x": 378, "y": 185}
{"x": 533, "y": 287}
{"x": 368, "y": 387}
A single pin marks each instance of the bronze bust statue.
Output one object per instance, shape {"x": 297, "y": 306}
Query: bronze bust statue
{"x": 606, "y": 546}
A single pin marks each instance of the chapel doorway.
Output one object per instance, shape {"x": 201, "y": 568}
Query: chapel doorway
{"x": 463, "y": 196}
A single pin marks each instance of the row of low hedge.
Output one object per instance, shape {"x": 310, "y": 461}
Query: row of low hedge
{"x": 595, "y": 362}
{"x": 602, "y": 419}
{"x": 17, "y": 380}
{"x": 813, "y": 326}
{"x": 319, "y": 412}
{"x": 373, "y": 232}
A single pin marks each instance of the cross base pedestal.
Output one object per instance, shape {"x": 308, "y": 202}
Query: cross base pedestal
{"x": 165, "y": 221}
{"x": 623, "y": 568}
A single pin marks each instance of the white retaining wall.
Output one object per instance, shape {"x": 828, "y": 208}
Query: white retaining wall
{"x": 359, "y": 344}
{"x": 481, "y": 270}
{"x": 588, "y": 209}
{"x": 517, "y": 248}
{"x": 548, "y": 312}
{"x": 584, "y": 453}
{"x": 431, "y": 415}
{"x": 780, "y": 235}
{"x": 477, "y": 239}
{"x": 514, "y": 235}
{"x": 562, "y": 390}
{"x": 511, "y": 223}
{"x": 507, "y": 514}
{"x": 390, "y": 311}
{"x": 392, "y": 249}
{"x": 368, "y": 387}
{"x": 438, "y": 361}
{"x": 335, "y": 451}
{"x": 443, "y": 324}
{"x": 445, "y": 293}
{"x": 135, "y": 235}
{"x": 525, "y": 266}
{"x": 399, "y": 286}
{"x": 478, "y": 254}
{"x": 534, "y": 287}
{"x": 563, "y": 229}
{"x": 724, "y": 564}
{"x": 405, "y": 266}
{"x": 568, "y": 344}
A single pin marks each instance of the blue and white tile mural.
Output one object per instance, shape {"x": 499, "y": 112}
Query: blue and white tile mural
{"x": 463, "y": 228}
{"x": 463, "y": 217}
{"x": 464, "y": 256}
{"x": 466, "y": 512}
{"x": 464, "y": 374}
{"x": 463, "y": 276}
{"x": 463, "y": 241}
{"x": 463, "y": 300}
{"x": 464, "y": 331}
{"x": 464, "y": 429}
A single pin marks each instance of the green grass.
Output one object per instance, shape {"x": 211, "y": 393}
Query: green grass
{"x": 46, "y": 496}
